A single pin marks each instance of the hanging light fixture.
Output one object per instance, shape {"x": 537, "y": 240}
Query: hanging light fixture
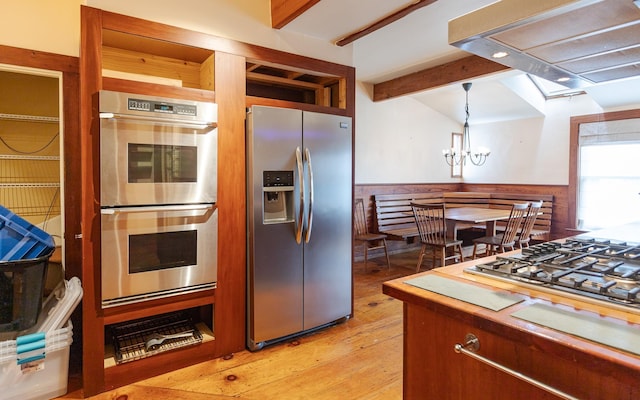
{"x": 456, "y": 157}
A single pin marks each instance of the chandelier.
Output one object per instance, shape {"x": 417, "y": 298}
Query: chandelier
{"x": 459, "y": 156}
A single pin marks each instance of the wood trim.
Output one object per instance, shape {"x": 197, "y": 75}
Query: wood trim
{"x": 285, "y": 11}
{"x": 262, "y": 101}
{"x": 381, "y": 23}
{"x": 132, "y": 372}
{"x": 161, "y": 32}
{"x": 38, "y": 59}
{"x": 123, "y": 85}
{"x": 92, "y": 321}
{"x": 441, "y": 75}
{"x": 133, "y": 311}
{"x": 72, "y": 167}
{"x": 229, "y": 310}
{"x": 574, "y": 130}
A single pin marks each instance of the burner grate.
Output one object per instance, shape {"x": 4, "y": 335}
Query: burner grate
{"x": 595, "y": 268}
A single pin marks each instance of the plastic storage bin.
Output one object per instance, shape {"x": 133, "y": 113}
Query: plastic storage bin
{"x": 20, "y": 240}
{"x": 21, "y": 291}
{"x": 36, "y": 366}
{"x": 57, "y": 308}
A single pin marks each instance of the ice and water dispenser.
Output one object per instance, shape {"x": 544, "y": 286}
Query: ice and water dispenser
{"x": 277, "y": 197}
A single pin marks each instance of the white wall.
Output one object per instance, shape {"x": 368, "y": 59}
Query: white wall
{"x": 400, "y": 141}
{"x": 44, "y": 25}
{"x": 531, "y": 151}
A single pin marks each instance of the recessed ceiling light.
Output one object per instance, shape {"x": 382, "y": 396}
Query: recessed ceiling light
{"x": 499, "y": 54}
{"x": 563, "y": 79}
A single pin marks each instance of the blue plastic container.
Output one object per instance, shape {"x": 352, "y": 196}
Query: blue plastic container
{"x": 20, "y": 240}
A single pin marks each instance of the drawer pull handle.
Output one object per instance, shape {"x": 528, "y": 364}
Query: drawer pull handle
{"x": 472, "y": 344}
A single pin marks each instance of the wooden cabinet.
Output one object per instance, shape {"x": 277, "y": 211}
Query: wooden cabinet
{"x": 120, "y": 53}
{"x": 126, "y": 54}
{"x": 434, "y": 324}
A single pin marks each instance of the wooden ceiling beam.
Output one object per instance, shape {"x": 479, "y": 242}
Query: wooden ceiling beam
{"x": 285, "y": 11}
{"x": 430, "y": 78}
{"x": 381, "y": 23}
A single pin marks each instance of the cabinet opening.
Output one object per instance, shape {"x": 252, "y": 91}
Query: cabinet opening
{"x": 143, "y": 59}
{"x": 285, "y": 83}
{"x": 142, "y": 338}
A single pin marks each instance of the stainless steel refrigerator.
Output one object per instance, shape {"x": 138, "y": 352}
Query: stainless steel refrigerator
{"x": 299, "y": 192}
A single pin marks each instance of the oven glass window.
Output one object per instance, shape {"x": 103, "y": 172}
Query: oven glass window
{"x": 156, "y": 163}
{"x": 156, "y": 251}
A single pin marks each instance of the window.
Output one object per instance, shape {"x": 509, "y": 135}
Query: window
{"x": 608, "y": 173}
{"x": 552, "y": 90}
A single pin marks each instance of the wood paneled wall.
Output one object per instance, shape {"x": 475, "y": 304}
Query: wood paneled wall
{"x": 560, "y": 214}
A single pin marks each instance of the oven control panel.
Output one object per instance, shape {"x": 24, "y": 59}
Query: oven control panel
{"x": 161, "y": 107}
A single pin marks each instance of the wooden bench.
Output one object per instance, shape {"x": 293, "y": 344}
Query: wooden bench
{"x": 394, "y": 218}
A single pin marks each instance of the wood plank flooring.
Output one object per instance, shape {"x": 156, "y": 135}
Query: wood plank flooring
{"x": 358, "y": 359}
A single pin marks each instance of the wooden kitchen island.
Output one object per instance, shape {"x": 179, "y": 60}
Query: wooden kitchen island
{"x": 569, "y": 364}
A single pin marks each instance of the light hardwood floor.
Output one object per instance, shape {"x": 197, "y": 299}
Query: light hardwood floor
{"x": 358, "y": 359}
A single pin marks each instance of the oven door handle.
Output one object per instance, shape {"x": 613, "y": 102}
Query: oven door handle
{"x": 165, "y": 121}
{"x": 182, "y": 207}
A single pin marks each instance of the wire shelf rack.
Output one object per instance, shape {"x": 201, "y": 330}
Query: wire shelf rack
{"x": 130, "y": 338}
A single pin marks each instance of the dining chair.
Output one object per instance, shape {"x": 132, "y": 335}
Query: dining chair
{"x": 500, "y": 242}
{"x": 370, "y": 241}
{"x": 524, "y": 236}
{"x": 432, "y": 230}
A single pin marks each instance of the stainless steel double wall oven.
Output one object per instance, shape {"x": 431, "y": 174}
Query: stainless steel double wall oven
{"x": 158, "y": 185}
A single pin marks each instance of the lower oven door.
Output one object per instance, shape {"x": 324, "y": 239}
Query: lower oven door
{"x": 159, "y": 251}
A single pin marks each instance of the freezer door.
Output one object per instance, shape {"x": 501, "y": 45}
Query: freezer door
{"x": 275, "y": 273}
{"x": 327, "y": 255}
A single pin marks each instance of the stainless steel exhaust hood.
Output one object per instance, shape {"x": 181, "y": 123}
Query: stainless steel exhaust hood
{"x": 572, "y": 42}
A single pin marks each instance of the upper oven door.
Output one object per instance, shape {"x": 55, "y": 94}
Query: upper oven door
{"x": 154, "y": 156}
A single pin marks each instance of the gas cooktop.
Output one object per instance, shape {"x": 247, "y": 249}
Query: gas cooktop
{"x": 600, "y": 269}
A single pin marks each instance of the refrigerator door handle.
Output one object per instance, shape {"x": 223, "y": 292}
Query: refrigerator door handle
{"x": 299, "y": 221}
{"x": 307, "y": 235}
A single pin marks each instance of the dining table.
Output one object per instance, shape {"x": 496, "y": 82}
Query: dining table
{"x": 465, "y": 216}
